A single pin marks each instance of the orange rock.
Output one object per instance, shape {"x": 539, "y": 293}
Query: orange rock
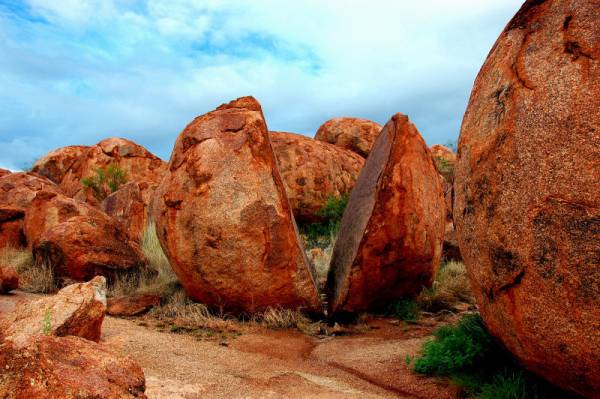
{"x": 354, "y": 134}
{"x": 17, "y": 190}
{"x": 132, "y": 305}
{"x": 77, "y": 309}
{"x": 11, "y": 227}
{"x": 86, "y": 246}
{"x": 443, "y": 152}
{"x": 313, "y": 171}
{"x": 67, "y": 368}
{"x": 9, "y": 279}
{"x": 67, "y": 166}
{"x": 390, "y": 241}
{"x": 223, "y": 217}
{"x": 4, "y": 172}
{"x": 127, "y": 205}
{"x": 527, "y": 205}
{"x": 48, "y": 209}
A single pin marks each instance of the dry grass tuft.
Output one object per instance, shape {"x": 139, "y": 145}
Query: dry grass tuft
{"x": 33, "y": 277}
{"x": 179, "y": 310}
{"x": 159, "y": 279}
{"x": 450, "y": 288}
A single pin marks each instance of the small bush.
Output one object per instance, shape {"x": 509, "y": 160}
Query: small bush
{"x": 450, "y": 287}
{"x": 445, "y": 168}
{"x": 404, "y": 309}
{"x": 322, "y": 234}
{"x": 473, "y": 359}
{"x": 105, "y": 181}
{"x": 34, "y": 277}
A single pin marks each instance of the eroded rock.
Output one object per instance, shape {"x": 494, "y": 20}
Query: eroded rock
{"x": 354, "y": 134}
{"x": 223, "y": 217}
{"x": 390, "y": 241}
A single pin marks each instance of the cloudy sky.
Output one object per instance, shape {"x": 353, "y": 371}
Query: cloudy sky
{"x": 78, "y": 71}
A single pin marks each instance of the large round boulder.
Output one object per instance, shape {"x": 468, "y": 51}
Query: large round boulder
{"x": 223, "y": 217}
{"x": 390, "y": 240}
{"x": 313, "y": 172}
{"x": 354, "y": 134}
{"x": 527, "y": 206}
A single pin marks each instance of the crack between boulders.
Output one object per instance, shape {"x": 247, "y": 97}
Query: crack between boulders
{"x": 516, "y": 281}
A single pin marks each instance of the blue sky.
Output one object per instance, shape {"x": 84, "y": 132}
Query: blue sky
{"x": 78, "y": 71}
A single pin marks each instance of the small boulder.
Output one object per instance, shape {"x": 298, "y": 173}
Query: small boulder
{"x": 224, "y": 219}
{"x": 390, "y": 240}
{"x": 49, "y": 209}
{"x": 9, "y": 279}
{"x": 313, "y": 172}
{"x": 86, "y": 246}
{"x": 128, "y": 206}
{"x": 354, "y": 134}
{"x": 132, "y": 305}
{"x": 17, "y": 190}
{"x": 77, "y": 309}
{"x": 67, "y": 368}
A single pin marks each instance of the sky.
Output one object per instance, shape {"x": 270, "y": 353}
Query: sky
{"x": 78, "y": 71}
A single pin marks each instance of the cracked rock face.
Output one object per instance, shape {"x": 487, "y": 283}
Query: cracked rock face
{"x": 223, "y": 217}
{"x": 390, "y": 240}
{"x": 527, "y": 196}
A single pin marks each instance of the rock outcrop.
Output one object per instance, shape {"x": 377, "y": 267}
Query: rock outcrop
{"x": 67, "y": 368}
{"x": 77, "y": 309}
{"x": 4, "y": 172}
{"x": 132, "y": 305}
{"x": 313, "y": 172}
{"x": 390, "y": 241}
{"x": 11, "y": 227}
{"x": 354, "y": 134}
{"x": 527, "y": 206}
{"x": 9, "y": 279}
{"x": 67, "y": 166}
{"x": 223, "y": 217}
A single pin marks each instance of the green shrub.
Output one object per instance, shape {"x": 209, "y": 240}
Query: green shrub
{"x": 322, "y": 234}
{"x": 445, "y": 167}
{"x": 473, "y": 359}
{"x": 105, "y": 181}
{"x": 405, "y": 310}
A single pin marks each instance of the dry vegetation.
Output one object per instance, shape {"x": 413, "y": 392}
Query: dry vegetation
{"x": 450, "y": 288}
{"x": 36, "y": 277}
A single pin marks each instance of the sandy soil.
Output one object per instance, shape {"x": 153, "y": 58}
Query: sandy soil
{"x": 263, "y": 363}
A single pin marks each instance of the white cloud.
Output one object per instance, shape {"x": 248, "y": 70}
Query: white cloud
{"x": 145, "y": 69}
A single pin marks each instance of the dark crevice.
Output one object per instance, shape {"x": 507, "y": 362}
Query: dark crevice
{"x": 567, "y": 22}
{"x": 516, "y": 281}
{"x": 573, "y": 48}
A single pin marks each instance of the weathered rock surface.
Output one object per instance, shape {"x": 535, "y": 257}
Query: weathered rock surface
{"x": 9, "y": 279}
{"x": 223, "y": 217}
{"x": 17, "y": 190}
{"x": 527, "y": 205}
{"x": 390, "y": 241}
{"x": 128, "y": 206}
{"x": 77, "y": 309}
{"x": 132, "y": 305}
{"x": 67, "y": 368}
{"x": 11, "y": 227}
{"x": 354, "y": 134}
{"x": 4, "y": 172}
{"x": 86, "y": 246}
{"x": 49, "y": 209}
{"x": 313, "y": 171}
{"x": 67, "y": 166}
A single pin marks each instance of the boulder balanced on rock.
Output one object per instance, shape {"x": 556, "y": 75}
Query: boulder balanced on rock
{"x": 223, "y": 217}
{"x": 313, "y": 172}
{"x": 390, "y": 241}
{"x": 527, "y": 206}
